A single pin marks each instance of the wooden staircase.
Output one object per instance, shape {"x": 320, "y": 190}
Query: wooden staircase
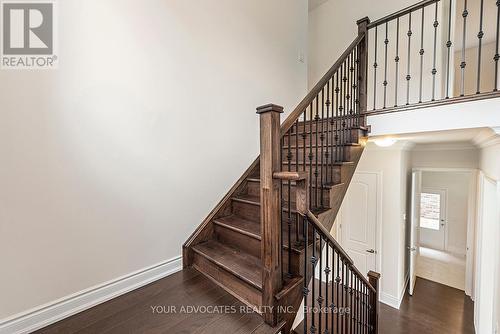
{"x": 257, "y": 243}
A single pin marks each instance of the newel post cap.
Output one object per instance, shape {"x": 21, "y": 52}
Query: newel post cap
{"x": 364, "y": 20}
{"x": 269, "y": 108}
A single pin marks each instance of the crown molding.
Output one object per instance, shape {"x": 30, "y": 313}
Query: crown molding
{"x": 487, "y": 137}
{"x": 451, "y": 146}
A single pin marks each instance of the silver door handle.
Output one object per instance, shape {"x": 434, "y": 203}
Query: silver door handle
{"x": 372, "y": 251}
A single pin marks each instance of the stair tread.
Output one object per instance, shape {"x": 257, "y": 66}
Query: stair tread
{"x": 241, "y": 264}
{"x": 240, "y": 225}
{"x": 341, "y": 163}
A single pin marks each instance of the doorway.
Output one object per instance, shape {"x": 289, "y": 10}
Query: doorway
{"x": 442, "y": 231}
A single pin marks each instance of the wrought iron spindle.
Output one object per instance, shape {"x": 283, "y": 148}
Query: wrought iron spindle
{"x": 421, "y": 52}
{"x": 327, "y": 280}
{"x": 316, "y": 171}
{"x": 345, "y": 108}
{"x": 434, "y": 70}
{"x": 313, "y": 273}
{"x": 327, "y": 121}
{"x": 408, "y": 76}
{"x": 338, "y": 280}
{"x": 297, "y": 216}
{"x": 396, "y": 60}
{"x": 480, "y": 35}
{"x": 311, "y": 155}
{"x": 465, "y": 13}
{"x": 375, "y": 65}
{"x": 352, "y": 95}
{"x": 386, "y": 42}
{"x": 305, "y": 289}
{"x": 337, "y": 115}
{"x": 304, "y": 141}
{"x": 322, "y": 138}
{"x": 356, "y": 88}
{"x": 289, "y": 157}
{"x": 497, "y": 55}
{"x": 448, "y": 47}
{"x": 320, "y": 296}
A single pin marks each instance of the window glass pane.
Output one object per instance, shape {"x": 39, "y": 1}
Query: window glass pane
{"x": 430, "y": 208}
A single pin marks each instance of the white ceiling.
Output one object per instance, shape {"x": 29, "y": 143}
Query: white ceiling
{"x": 470, "y": 136}
{"x": 315, "y": 3}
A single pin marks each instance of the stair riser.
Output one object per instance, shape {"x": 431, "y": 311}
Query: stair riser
{"x": 229, "y": 282}
{"x": 251, "y": 245}
{"x": 250, "y": 211}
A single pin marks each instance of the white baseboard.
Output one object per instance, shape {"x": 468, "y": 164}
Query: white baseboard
{"x": 390, "y": 300}
{"x": 394, "y": 302}
{"x": 44, "y": 315}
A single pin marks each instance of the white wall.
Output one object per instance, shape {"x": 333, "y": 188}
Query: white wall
{"x": 393, "y": 164}
{"x": 111, "y": 161}
{"x": 445, "y": 156}
{"x": 457, "y": 187}
{"x": 332, "y": 27}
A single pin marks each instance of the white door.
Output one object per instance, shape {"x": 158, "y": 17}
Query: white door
{"x": 416, "y": 181}
{"x": 433, "y": 219}
{"x": 359, "y": 221}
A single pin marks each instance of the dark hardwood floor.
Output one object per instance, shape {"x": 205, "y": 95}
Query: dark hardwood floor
{"x": 434, "y": 308}
{"x": 133, "y": 313}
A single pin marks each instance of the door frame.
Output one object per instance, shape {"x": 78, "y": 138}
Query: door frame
{"x": 378, "y": 221}
{"x": 443, "y": 194}
{"x": 472, "y": 220}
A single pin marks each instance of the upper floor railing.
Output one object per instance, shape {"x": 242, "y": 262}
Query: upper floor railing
{"x": 436, "y": 51}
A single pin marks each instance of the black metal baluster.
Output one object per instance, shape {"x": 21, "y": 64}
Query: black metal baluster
{"x": 345, "y": 108}
{"x": 375, "y": 65}
{"x": 320, "y": 283}
{"x": 448, "y": 46}
{"x": 289, "y": 157}
{"x": 356, "y": 88}
{"x": 497, "y": 55}
{"x": 304, "y": 142}
{"x": 408, "y": 76}
{"x": 305, "y": 289}
{"x": 327, "y": 153}
{"x": 311, "y": 155}
{"x": 421, "y": 52}
{"x": 337, "y": 115}
{"x": 465, "y": 13}
{"x": 297, "y": 241}
{"x": 396, "y": 60}
{"x": 351, "y": 94}
{"x": 334, "y": 300}
{"x": 316, "y": 171}
{"x": 358, "y": 309}
{"x": 351, "y": 305}
{"x": 338, "y": 281}
{"x": 386, "y": 42}
{"x": 434, "y": 70}
{"x": 327, "y": 275}
{"x": 313, "y": 273}
{"x": 322, "y": 138}
{"x": 282, "y": 227}
{"x": 480, "y": 37}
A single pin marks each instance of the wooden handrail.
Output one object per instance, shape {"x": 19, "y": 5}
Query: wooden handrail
{"x": 326, "y": 234}
{"x": 402, "y": 12}
{"x": 295, "y": 114}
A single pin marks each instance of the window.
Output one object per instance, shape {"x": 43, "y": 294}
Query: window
{"x": 430, "y": 209}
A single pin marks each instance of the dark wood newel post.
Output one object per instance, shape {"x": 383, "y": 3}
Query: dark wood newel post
{"x": 363, "y": 65}
{"x": 374, "y": 278}
{"x": 270, "y": 208}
